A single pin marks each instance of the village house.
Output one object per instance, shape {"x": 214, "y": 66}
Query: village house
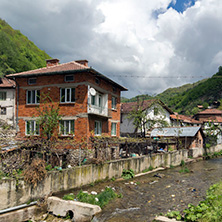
{"x": 182, "y": 120}
{"x": 208, "y": 118}
{"x": 7, "y": 100}
{"x": 156, "y": 114}
{"x": 180, "y": 137}
{"x": 88, "y": 101}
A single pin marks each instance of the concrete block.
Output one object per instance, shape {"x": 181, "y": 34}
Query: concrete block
{"x": 81, "y": 212}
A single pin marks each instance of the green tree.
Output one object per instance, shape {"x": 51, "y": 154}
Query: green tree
{"x": 48, "y": 116}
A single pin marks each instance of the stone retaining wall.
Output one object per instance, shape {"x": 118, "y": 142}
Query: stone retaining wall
{"x": 15, "y": 192}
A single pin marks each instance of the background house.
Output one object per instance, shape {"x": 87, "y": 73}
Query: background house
{"x": 7, "y": 100}
{"x": 88, "y": 101}
{"x": 156, "y": 113}
{"x": 184, "y": 137}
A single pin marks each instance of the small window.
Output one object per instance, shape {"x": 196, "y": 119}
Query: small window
{"x": 98, "y": 128}
{"x": 2, "y": 96}
{"x": 93, "y": 100}
{"x": 33, "y": 96}
{"x": 113, "y": 129}
{"x": 155, "y": 111}
{"x": 32, "y": 81}
{"x": 32, "y": 128}
{"x": 114, "y": 102}
{"x": 67, "y": 95}
{"x": 114, "y": 89}
{"x": 69, "y": 78}
{"x": 97, "y": 80}
{"x": 3, "y": 110}
{"x": 66, "y": 127}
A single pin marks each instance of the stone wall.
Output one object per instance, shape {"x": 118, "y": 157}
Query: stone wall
{"x": 16, "y": 192}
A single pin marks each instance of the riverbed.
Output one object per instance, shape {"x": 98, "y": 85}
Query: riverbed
{"x": 146, "y": 196}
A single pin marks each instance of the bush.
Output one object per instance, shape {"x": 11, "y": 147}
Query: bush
{"x": 35, "y": 172}
{"x": 128, "y": 174}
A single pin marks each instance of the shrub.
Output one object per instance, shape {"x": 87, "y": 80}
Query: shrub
{"x": 35, "y": 172}
{"x": 127, "y": 174}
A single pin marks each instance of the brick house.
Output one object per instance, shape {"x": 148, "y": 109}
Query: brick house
{"x": 88, "y": 101}
{"x": 7, "y": 100}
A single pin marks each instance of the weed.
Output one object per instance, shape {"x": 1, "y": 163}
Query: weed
{"x": 48, "y": 167}
{"x": 171, "y": 166}
{"x": 68, "y": 197}
{"x": 182, "y": 163}
{"x": 128, "y": 174}
{"x": 113, "y": 179}
{"x": 184, "y": 170}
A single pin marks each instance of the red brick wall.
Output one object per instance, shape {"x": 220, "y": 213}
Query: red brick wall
{"x": 48, "y": 85}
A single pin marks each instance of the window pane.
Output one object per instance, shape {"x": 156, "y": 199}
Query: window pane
{"x": 37, "y": 96}
{"x": 72, "y": 127}
{"x": 73, "y": 95}
{"x": 29, "y": 97}
{"x": 67, "y": 95}
{"x": 2, "y": 95}
{"x": 62, "y": 95}
{"x": 100, "y": 101}
{"x": 27, "y": 127}
{"x": 93, "y": 100}
{"x": 33, "y": 96}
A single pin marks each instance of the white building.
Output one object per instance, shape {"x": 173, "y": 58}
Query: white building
{"x": 157, "y": 114}
{"x": 7, "y": 100}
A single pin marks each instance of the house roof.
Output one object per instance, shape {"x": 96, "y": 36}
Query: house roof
{"x": 190, "y": 131}
{"x": 216, "y": 119}
{"x": 211, "y": 111}
{"x": 129, "y": 107}
{"x": 6, "y": 83}
{"x": 185, "y": 119}
{"x": 65, "y": 68}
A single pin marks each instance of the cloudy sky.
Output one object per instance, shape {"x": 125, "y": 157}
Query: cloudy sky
{"x": 145, "y": 45}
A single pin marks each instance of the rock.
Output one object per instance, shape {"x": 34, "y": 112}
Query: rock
{"x": 94, "y": 193}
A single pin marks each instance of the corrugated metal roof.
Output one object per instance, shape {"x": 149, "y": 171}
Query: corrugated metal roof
{"x": 176, "y": 131}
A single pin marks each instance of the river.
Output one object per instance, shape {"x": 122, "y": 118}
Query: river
{"x": 146, "y": 196}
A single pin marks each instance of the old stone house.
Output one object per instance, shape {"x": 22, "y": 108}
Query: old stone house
{"x": 88, "y": 101}
{"x": 7, "y": 100}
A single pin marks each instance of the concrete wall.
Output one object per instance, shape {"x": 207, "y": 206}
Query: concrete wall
{"x": 15, "y": 192}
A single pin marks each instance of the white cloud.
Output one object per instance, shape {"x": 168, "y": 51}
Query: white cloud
{"x": 126, "y": 37}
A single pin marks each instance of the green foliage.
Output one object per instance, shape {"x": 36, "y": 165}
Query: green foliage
{"x": 68, "y": 197}
{"x": 184, "y": 170}
{"x": 136, "y": 98}
{"x": 17, "y": 52}
{"x": 182, "y": 163}
{"x": 174, "y": 214}
{"x": 48, "y": 167}
{"x": 48, "y": 116}
{"x": 100, "y": 199}
{"x": 147, "y": 170}
{"x": 128, "y": 174}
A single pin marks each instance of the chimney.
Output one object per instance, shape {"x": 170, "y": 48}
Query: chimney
{"x": 83, "y": 62}
{"x": 51, "y": 62}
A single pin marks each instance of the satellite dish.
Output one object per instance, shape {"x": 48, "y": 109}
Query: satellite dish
{"x": 92, "y": 91}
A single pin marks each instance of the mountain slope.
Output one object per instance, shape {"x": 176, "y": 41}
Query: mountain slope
{"x": 17, "y": 52}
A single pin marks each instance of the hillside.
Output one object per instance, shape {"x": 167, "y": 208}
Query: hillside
{"x": 17, "y": 52}
{"x": 184, "y": 99}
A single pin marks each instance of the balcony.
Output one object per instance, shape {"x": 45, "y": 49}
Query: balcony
{"x": 99, "y": 111}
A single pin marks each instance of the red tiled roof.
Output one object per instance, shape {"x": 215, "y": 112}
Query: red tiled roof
{"x": 6, "y": 83}
{"x": 184, "y": 118}
{"x": 129, "y": 107}
{"x": 211, "y": 111}
{"x": 70, "y": 66}
{"x": 216, "y": 119}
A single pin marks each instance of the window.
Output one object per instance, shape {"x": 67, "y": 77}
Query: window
{"x": 32, "y": 81}
{"x": 2, "y": 95}
{"x": 32, "y": 127}
{"x": 33, "y": 96}
{"x": 155, "y": 111}
{"x": 66, "y": 127}
{"x": 3, "y": 110}
{"x": 97, "y": 100}
{"x": 113, "y": 129}
{"x": 69, "y": 78}
{"x": 114, "y": 89}
{"x": 97, "y": 81}
{"x": 114, "y": 102}
{"x": 67, "y": 95}
{"x": 98, "y": 128}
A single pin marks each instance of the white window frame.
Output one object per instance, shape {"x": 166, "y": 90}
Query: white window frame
{"x": 113, "y": 129}
{"x": 34, "y": 128}
{"x": 64, "y": 97}
{"x": 114, "y": 102}
{"x": 98, "y": 100}
{"x": 67, "y": 124}
{"x": 34, "y": 96}
{"x": 3, "y": 95}
{"x": 98, "y": 128}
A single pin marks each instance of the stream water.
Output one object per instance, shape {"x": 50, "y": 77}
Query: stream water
{"x": 146, "y": 196}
